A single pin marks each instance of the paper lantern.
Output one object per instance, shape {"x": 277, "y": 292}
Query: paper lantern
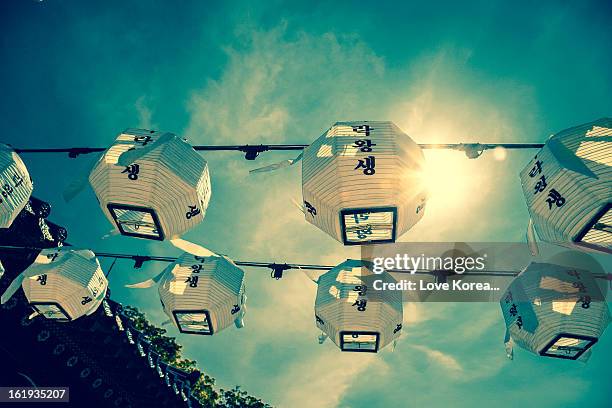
{"x": 554, "y": 311}
{"x": 352, "y": 313}
{"x": 15, "y": 185}
{"x": 203, "y": 294}
{"x": 152, "y": 185}
{"x": 568, "y": 187}
{"x": 62, "y": 284}
{"x": 362, "y": 182}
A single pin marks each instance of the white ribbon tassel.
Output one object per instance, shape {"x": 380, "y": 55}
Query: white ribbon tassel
{"x": 531, "y": 239}
{"x": 190, "y": 247}
{"x": 147, "y": 283}
{"x": 277, "y": 166}
{"x": 76, "y": 186}
{"x": 509, "y": 345}
{"x": 13, "y": 287}
{"x": 585, "y": 357}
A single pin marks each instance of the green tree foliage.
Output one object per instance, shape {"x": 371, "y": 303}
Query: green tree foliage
{"x": 170, "y": 352}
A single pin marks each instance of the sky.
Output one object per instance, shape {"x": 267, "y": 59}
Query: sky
{"x": 76, "y": 73}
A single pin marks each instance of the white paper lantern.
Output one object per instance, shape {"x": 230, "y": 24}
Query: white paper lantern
{"x": 62, "y": 284}
{"x": 203, "y": 294}
{"x": 363, "y": 182}
{"x": 352, "y": 313}
{"x": 554, "y": 311}
{"x": 568, "y": 187}
{"x": 15, "y": 185}
{"x": 152, "y": 185}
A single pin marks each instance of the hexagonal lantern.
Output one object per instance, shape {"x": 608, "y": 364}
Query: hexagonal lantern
{"x": 554, "y": 311}
{"x": 362, "y": 182}
{"x": 152, "y": 185}
{"x": 352, "y": 313}
{"x": 15, "y": 185}
{"x": 568, "y": 187}
{"x": 203, "y": 294}
{"x": 62, "y": 284}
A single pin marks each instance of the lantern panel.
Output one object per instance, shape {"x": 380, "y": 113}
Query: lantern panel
{"x": 136, "y": 221}
{"x": 359, "y": 341}
{"x": 152, "y": 185}
{"x": 598, "y": 233}
{"x": 51, "y": 310}
{"x": 367, "y": 169}
{"x": 365, "y": 225}
{"x": 15, "y": 185}
{"x": 568, "y": 186}
{"x": 568, "y": 346}
{"x": 193, "y": 321}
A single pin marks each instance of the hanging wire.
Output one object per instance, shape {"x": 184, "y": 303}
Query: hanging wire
{"x": 111, "y": 267}
{"x": 472, "y": 150}
{"x": 277, "y": 269}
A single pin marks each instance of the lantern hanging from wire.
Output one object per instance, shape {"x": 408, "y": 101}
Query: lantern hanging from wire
{"x": 554, "y": 311}
{"x": 62, "y": 284}
{"x": 201, "y": 294}
{"x": 568, "y": 188}
{"x": 362, "y": 182}
{"x": 15, "y": 185}
{"x": 357, "y": 317}
{"x": 152, "y": 185}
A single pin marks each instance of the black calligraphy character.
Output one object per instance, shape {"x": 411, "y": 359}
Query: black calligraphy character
{"x": 86, "y": 300}
{"x": 398, "y": 328}
{"x": 361, "y": 305}
{"x": 586, "y": 301}
{"x": 18, "y": 180}
{"x": 368, "y": 164}
{"x": 513, "y": 311}
{"x": 192, "y": 281}
{"x": 360, "y": 217}
{"x": 52, "y": 257}
{"x": 132, "y": 170}
{"x": 363, "y": 232}
{"x": 365, "y": 129}
{"x": 42, "y": 279}
{"x": 364, "y": 145}
{"x": 235, "y": 309}
{"x": 362, "y": 289}
{"x": 142, "y": 139}
{"x": 537, "y": 169}
{"x": 554, "y": 197}
{"x": 193, "y": 211}
{"x": 540, "y": 185}
{"x": 311, "y": 210}
{"x": 7, "y": 190}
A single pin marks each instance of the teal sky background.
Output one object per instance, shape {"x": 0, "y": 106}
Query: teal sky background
{"x": 77, "y": 73}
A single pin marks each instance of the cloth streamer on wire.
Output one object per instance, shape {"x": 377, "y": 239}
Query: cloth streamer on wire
{"x": 277, "y": 166}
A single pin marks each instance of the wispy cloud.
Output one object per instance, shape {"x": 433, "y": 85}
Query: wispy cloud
{"x": 144, "y": 113}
